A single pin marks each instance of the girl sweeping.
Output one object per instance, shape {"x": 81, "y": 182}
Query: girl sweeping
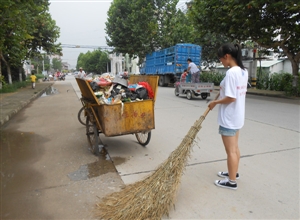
{"x": 231, "y": 114}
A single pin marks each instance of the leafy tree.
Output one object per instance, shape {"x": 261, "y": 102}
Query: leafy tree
{"x": 56, "y": 64}
{"x": 271, "y": 24}
{"x": 178, "y": 30}
{"x": 95, "y": 61}
{"x": 138, "y": 27}
{"x": 38, "y": 63}
{"x": 81, "y": 60}
{"x": 26, "y": 29}
{"x": 47, "y": 64}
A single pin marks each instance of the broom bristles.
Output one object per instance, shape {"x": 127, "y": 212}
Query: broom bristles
{"x": 152, "y": 197}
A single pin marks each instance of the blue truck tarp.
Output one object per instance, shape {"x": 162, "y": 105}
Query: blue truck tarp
{"x": 172, "y": 60}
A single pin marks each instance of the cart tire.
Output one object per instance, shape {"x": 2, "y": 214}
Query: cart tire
{"x": 143, "y": 138}
{"x": 92, "y": 135}
{"x": 82, "y": 116}
{"x": 189, "y": 95}
{"x": 204, "y": 95}
{"x": 176, "y": 92}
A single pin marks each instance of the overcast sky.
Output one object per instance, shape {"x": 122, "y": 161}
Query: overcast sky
{"x": 81, "y": 23}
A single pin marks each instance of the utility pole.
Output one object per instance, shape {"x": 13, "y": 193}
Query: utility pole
{"x": 254, "y": 68}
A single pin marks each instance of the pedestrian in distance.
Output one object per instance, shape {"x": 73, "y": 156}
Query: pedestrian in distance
{"x": 125, "y": 73}
{"x": 231, "y": 115}
{"x": 81, "y": 73}
{"x": 33, "y": 79}
{"x": 183, "y": 76}
{"x": 194, "y": 71}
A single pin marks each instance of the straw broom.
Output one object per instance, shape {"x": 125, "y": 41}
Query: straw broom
{"x": 152, "y": 197}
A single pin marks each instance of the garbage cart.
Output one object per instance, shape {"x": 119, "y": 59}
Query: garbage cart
{"x": 118, "y": 119}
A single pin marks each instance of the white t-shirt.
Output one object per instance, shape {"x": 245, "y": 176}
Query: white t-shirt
{"x": 81, "y": 74}
{"x": 233, "y": 85}
{"x": 194, "y": 68}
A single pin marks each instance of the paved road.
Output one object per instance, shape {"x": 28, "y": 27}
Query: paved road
{"x": 269, "y": 142}
{"x": 50, "y": 174}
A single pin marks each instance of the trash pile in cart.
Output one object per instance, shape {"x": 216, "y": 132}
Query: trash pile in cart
{"x": 115, "y": 89}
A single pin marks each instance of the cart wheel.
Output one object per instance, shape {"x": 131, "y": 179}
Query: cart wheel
{"x": 204, "y": 95}
{"x": 176, "y": 92}
{"x": 143, "y": 138}
{"x": 189, "y": 95}
{"x": 92, "y": 134}
{"x": 82, "y": 116}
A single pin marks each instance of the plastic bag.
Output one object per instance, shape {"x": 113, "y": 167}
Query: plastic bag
{"x": 95, "y": 87}
{"x": 142, "y": 93}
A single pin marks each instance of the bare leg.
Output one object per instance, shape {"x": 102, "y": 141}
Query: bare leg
{"x": 233, "y": 154}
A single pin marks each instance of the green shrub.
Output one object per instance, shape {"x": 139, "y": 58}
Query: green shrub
{"x": 297, "y": 92}
{"x": 284, "y": 82}
{"x": 2, "y": 80}
{"x": 287, "y": 83}
{"x": 212, "y": 77}
{"x": 38, "y": 76}
{"x": 7, "y": 88}
{"x": 262, "y": 79}
{"x": 276, "y": 82}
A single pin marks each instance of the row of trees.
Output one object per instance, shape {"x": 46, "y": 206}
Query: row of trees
{"x": 96, "y": 61}
{"x": 26, "y": 30}
{"x": 43, "y": 63}
{"x": 138, "y": 27}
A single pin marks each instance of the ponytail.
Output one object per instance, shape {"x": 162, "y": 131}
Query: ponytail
{"x": 239, "y": 56}
{"x": 235, "y": 52}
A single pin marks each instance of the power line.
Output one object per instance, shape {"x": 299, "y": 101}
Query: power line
{"x": 86, "y": 46}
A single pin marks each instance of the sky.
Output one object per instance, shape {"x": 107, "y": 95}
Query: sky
{"x": 81, "y": 23}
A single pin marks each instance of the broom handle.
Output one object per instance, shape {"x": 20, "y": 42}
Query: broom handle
{"x": 207, "y": 110}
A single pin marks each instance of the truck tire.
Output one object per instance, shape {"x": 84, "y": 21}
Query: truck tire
{"x": 161, "y": 81}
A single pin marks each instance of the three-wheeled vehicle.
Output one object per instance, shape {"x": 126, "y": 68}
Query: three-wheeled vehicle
{"x": 118, "y": 119}
{"x": 191, "y": 90}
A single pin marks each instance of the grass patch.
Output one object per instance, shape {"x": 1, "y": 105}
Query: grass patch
{"x": 8, "y": 88}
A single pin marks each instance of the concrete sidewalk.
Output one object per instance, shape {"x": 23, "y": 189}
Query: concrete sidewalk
{"x": 12, "y": 103}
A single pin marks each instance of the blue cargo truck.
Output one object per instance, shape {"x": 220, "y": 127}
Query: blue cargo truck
{"x": 169, "y": 63}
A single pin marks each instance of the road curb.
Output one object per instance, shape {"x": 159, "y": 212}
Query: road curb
{"x": 22, "y": 105}
{"x": 268, "y": 95}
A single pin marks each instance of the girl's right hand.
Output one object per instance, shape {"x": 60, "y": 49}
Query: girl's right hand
{"x": 211, "y": 105}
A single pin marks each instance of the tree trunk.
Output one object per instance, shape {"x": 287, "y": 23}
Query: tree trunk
{"x": 294, "y": 58}
{"x": 20, "y": 74}
{"x": 9, "y": 73}
{"x": 0, "y": 74}
{"x": 295, "y": 68}
{"x": 7, "y": 67}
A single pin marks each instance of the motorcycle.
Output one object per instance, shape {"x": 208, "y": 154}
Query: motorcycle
{"x": 46, "y": 79}
{"x": 62, "y": 77}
